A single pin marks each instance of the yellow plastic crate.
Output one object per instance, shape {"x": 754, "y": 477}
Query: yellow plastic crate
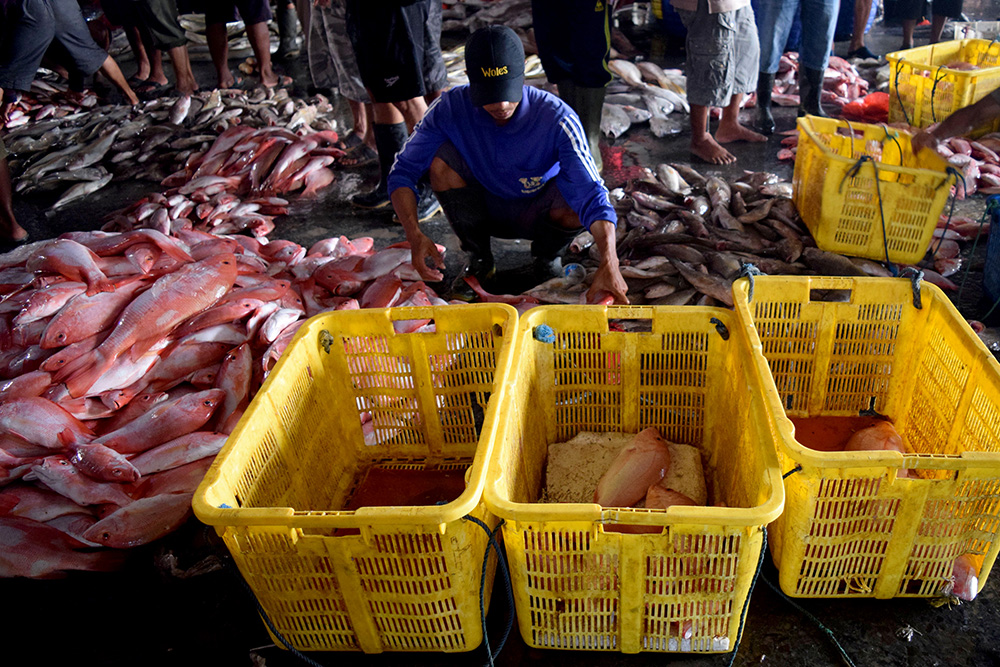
{"x": 922, "y": 90}
{"x": 838, "y": 197}
{"x": 378, "y": 578}
{"x": 577, "y": 585}
{"x": 851, "y": 527}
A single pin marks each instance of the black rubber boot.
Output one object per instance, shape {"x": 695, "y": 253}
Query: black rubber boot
{"x": 288, "y": 28}
{"x": 810, "y": 92}
{"x": 765, "y": 121}
{"x": 588, "y": 103}
{"x": 466, "y": 211}
{"x": 389, "y": 140}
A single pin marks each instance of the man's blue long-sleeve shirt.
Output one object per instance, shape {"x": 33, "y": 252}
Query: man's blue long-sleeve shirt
{"x": 541, "y": 141}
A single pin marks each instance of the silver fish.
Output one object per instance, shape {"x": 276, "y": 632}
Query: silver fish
{"x": 81, "y": 190}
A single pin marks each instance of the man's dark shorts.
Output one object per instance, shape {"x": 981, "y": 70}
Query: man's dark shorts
{"x": 224, "y": 11}
{"x": 158, "y": 18}
{"x": 390, "y": 43}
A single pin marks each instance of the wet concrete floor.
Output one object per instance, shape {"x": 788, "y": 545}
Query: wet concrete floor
{"x": 151, "y": 615}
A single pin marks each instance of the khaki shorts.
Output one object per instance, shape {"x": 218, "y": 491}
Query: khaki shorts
{"x": 723, "y": 54}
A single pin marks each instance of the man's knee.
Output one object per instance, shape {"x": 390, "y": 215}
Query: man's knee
{"x": 444, "y": 177}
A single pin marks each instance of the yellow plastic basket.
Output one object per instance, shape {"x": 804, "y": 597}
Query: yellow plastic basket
{"x": 378, "y": 578}
{"x": 851, "y": 527}
{"x": 843, "y": 205}
{"x": 578, "y": 586}
{"x": 922, "y": 90}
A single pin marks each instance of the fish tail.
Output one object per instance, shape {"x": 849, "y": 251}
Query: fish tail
{"x": 83, "y": 372}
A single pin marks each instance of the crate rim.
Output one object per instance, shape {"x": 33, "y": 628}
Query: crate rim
{"x": 806, "y": 457}
{"x": 808, "y": 124}
{"x": 431, "y": 515}
{"x": 897, "y": 56}
{"x": 596, "y": 514}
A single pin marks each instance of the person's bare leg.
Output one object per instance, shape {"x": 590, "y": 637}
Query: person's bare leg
{"x": 186, "y": 83}
{"x": 260, "y": 42}
{"x": 9, "y": 229}
{"x": 937, "y": 27}
{"x": 385, "y": 113}
{"x": 908, "y": 26}
{"x": 702, "y": 143}
{"x": 138, "y": 52}
{"x": 218, "y": 46}
{"x": 862, "y": 8}
{"x": 110, "y": 69}
{"x": 369, "y": 113}
{"x": 729, "y": 129}
{"x": 413, "y": 111}
{"x": 156, "y": 72}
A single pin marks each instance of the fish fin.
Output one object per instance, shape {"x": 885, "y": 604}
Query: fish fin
{"x": 67, "y": 438}
{"x": 101, "y": 286}
{"x": 83, "y": 372}
{"x": 141, "y": 347}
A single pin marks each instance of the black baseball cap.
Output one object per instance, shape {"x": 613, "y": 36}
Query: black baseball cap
{"x": 494, "y": 62}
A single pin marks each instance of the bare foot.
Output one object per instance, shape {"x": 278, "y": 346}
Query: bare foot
{"x": 708, "y": 150}
{"x": 227, "y": 81}
{"x": 12, "y": 232}
{"x": 726, "y": 134}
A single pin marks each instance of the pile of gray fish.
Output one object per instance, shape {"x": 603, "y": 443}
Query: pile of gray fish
{"x": 683, "y": 237}
{"x": 71, "y": 156}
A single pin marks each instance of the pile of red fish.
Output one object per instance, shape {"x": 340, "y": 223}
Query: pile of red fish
{"x": 242, "y": 162}
{"x": 127, "y": 357}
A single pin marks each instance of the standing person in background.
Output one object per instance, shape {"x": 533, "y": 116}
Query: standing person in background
{"x": 29, "y": 28}
{"x": 10, "y": 231}
{"x": 722, "y": 59}
{"x": 775, "y": 17}
{"x": 149, "y": 65}
{"x": 332, "y": 64}
{"x": 857, "y": 48}
{"x": 159, "y": 30}
{"x": 255, "y": 14}
{"x": 288, "y": 26}
{"x": 912, "y": 11}
{"x": 574, "y": 41}
{"x": 390, "y": 43}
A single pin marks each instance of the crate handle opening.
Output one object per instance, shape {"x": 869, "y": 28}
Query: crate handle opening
{"x": 412, "y": 325}
{"x": 631, "y": 324}
{"x": 831, "y": 295}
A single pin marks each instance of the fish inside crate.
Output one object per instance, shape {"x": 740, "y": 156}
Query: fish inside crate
{"x": 681, "y": 583}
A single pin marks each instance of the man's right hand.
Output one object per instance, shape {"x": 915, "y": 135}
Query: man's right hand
{"x": 422, "y": 247}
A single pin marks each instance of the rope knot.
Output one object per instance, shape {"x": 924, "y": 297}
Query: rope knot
{"x": 916, "y": 276}
{"x": 748, "y": 271}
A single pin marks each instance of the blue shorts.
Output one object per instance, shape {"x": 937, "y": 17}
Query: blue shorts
{"x": 251, "y": 12}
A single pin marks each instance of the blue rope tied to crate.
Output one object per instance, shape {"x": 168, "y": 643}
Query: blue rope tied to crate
{"x": 746, "y": 604}
{"x": 543, "y": 333}
{"x": 852, "y": 173}
{"x": 916, "y": 275}
{"x": 748, "y": 271}
{"x": 797, "y": 468}
{"x": 502, "y": 563}
{"x": 819, "y": 624}
{"x": 899, "y": 65}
